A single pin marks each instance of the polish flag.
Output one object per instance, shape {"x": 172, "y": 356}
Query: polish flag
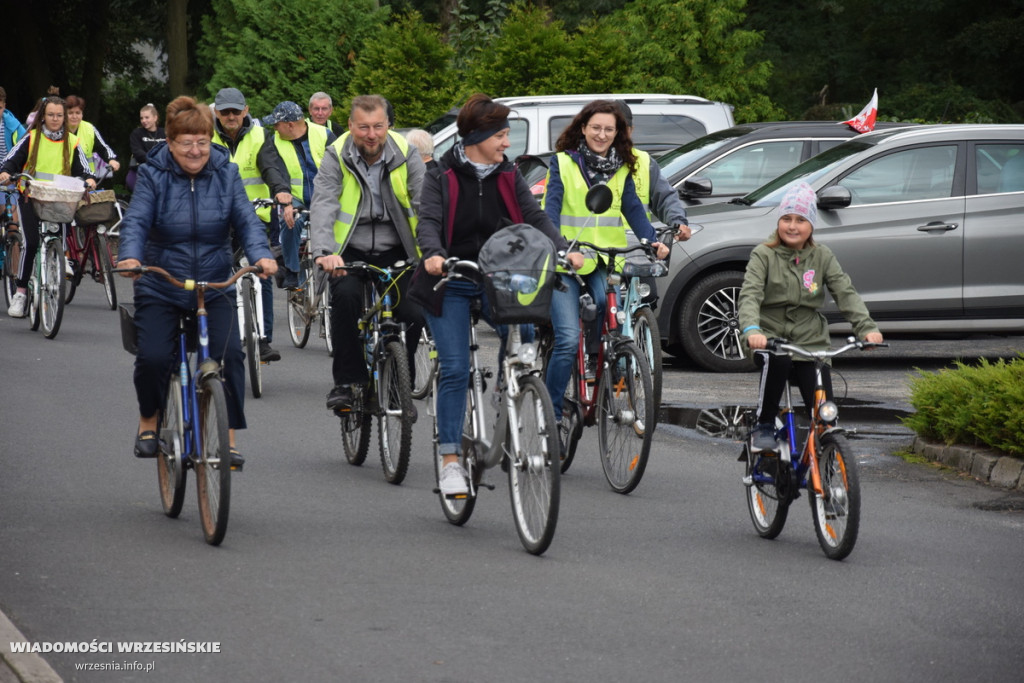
{"x": 865, "y": 121}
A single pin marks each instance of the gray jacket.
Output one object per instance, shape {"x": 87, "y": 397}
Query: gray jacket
{"x": 365, "y": 235}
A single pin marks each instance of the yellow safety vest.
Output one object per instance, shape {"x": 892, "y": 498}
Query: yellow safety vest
{"x": 50, "y": 158}
{"x": 244, "y": 156}
{"x": 604, "y": 229}
{"x": 317, "y": 146}
{"x": 351, "y": 192}
{"x": 642, "y": 180}
{"x": 87, "y": 140}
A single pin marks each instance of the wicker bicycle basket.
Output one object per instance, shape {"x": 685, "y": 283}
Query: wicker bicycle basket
{"x": 54, "y": 203}
{"x": 101, "y": 207}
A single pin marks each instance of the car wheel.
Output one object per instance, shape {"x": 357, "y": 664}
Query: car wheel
{"x": 709, "y": 323}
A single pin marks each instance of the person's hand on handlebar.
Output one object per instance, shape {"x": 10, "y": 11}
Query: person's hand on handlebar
{"x": 269, "y": 267}
{"x": 575, "y": 259}
{"x": 683, "y": 232}
{"x": 288, "y": 212}
{"x": 874, "y": 338}
{"x": 4, "y": 177}
{"x": 129, "y": 263}
{"x": 332, "y": 263}
{"x": 434, "y": 265}
{"x": 757, "y": 341}
{"x": 660, "y": 250}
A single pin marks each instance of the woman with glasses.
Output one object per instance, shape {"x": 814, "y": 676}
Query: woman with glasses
{"x": 188, "y": 199}
{"x": 594, "y": 148}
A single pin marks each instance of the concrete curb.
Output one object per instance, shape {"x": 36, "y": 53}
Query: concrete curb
{"x": 27, "y": 667}
{"x": 984, "y": 464}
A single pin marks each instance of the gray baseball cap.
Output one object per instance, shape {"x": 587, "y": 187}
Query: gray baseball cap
{"x": 229, "y": 98}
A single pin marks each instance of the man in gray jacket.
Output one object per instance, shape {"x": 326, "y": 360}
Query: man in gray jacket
{"x": 363, "y": 209}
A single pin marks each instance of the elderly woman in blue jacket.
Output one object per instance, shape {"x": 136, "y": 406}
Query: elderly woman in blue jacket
{"x": 188, "y": 200}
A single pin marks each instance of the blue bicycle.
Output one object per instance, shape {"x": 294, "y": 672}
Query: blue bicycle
{"x": 194, "y": 422}
{"x": 10, "y": 246}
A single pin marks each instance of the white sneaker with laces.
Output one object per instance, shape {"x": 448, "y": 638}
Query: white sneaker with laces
{"x": 452, "y": 481}
{"x": 17, "y": 307}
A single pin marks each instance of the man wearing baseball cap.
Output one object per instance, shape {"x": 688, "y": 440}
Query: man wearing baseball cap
{"x": 301, "y": 144}
{"x": 263, "y": 175}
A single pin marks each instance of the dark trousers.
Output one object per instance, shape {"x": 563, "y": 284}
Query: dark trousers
{"x": 30, "y": 231}
{"x": 156, "y": 325}
{"x": 775, "y": 370}
{"x": 349, "y": 367}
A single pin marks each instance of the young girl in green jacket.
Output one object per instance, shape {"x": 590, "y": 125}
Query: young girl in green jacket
{"x": 782, "y": 294}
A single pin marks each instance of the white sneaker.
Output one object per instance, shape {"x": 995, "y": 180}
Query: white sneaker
{"x": 69, "y": 268}
{"x": 17, "y": 307}
{"x": 453, "y": 480}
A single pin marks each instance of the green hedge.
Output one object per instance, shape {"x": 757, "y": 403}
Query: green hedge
{"x": 971, "y": 404}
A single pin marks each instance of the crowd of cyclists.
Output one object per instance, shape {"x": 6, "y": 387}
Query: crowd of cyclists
{"x": 372, "y": 196}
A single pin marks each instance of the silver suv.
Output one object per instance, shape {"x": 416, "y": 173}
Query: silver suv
{"x": 660, "y": 122}
{"x": 928, "y": 222}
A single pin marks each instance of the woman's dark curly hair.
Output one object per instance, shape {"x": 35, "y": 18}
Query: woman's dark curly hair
{"x": 573, "y": 134}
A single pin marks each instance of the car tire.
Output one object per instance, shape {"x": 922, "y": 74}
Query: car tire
{"x": 709, "y": 323}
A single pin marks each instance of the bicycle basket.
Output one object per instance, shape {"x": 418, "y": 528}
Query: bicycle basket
{"x": 99, "y": 207}
{"x": 518, "y": 264}
{"x": 56, "y": 201}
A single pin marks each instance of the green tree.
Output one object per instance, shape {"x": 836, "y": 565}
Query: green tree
{"x": 274, "y": 50}
{"x": 408, "y": 63}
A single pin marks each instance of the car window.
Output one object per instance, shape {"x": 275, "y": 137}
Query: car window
{"x": 1000, "y": 168}
{"x": 518, "y": 136}
{"x": 770, "y": 193}
{"x": 650, "y": 131}
{"x": 918, "y": 173}
{"x": 752, "y": 165}
{"x": 675, "y": 160}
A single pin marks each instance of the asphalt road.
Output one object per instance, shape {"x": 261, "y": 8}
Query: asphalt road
{"x": 330, "y": 574}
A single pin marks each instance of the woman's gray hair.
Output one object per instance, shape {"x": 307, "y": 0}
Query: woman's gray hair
{"x": 421, "y": 140}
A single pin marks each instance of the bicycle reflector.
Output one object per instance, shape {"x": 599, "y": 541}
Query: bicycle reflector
{"x": 828, "y": 412}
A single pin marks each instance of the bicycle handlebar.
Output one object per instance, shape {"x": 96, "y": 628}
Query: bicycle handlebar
{"x": 190, "y": 284}
{"x": 783, "y": 347}
{"x": 452, "y": 265}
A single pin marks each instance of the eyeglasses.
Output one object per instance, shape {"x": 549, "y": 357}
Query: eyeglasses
{"x": 597, "y": 130}
{"x": 201, "y": 145}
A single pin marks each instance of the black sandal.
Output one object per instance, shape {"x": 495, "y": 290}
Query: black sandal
{"x": 146, "y": 445}
{"x": 237, "y": 461}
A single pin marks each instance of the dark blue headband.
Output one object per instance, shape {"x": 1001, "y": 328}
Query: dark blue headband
{"x": 478, "y": 136}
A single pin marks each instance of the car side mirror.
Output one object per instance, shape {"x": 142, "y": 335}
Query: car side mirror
{"x": 599, "y": 198}
{"x": 698, "y": 186}
{"x": 834, "y": 197}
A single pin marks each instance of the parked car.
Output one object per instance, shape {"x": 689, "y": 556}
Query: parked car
{"x": 730, "y": 163}
{"x": 928, "y": 221}
{"x": 660, "y": 122}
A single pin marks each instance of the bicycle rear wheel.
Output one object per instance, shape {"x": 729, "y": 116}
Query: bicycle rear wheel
{"x": 394, "y": 401}
{"x": 75, "y": 240}
{"x": 648, "y": 341}
{"x": 53, "y": 294}
{"x": 35, "y": 302}
{"x": 299, "y": 318}
{"x": 104, "y": 265}
{"x": 356, "y": 425}
{"x": 458, "y": 510}
{"x": 426, "y": 364}
{"x": 767, "y": 500}
{"x": 625, "y": 418}
{"x": 213, "y": 464}
{"x": 571, "y": 425}
{"x": 533, "y": 472}
{"x": 325, "y": 318}
{"x": 252, "y": 338}
{"x": 837, "y": 512}
{"x": 171, "y": 461}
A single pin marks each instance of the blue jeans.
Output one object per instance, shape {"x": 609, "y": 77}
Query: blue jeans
{"x": 291, "y": 238}
{"x": 451, "y": 337}
{"x": 565, "y": 322}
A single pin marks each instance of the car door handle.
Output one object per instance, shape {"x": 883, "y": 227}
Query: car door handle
{"x": 937, "y": 226}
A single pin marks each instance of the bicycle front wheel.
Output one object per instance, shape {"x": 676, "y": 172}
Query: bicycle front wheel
{"x": 533, "y": 472}
{"x": 458, "y": 510}
{"x": 394, "y": 398}
{"x": 299, "y": 318}
{"x": 325, "y": 318}
{"x": 426, "y": 364}
{"x": 252, "y": 338}
{"x": 625, "y": 417}
{"x": 106, "y": 263}
{"x": 768, "y": 499}
{"x": 356, "y": 425}
{"x": 171, "y": 461}
{"x": 648, "y": 340}
{"x": 54, "y": 291}
{"x": 836, "y": 512}
{"x": 213, "y": 464}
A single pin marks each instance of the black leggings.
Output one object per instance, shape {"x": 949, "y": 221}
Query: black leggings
{"x": 775, "y": 370}
{"x": 30, "y": 231}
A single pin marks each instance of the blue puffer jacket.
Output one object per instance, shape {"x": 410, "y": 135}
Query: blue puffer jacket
{"x": 184, "y": 225}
